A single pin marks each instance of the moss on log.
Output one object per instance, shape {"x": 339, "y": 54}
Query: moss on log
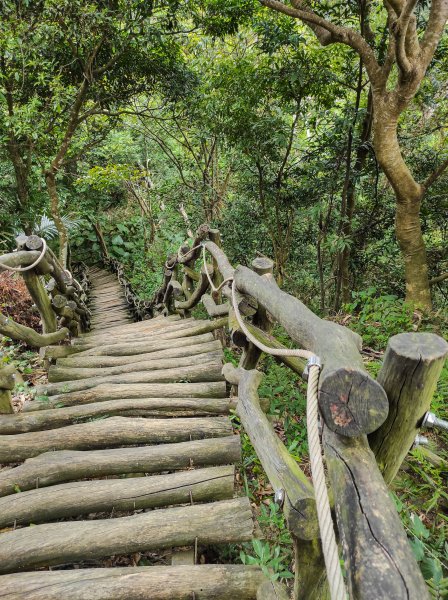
{"x": 67, "y": 465}
{"x": 202, "y": 582}
{"x": 118, "y": 495}
{"x": 114, "y": 431}
{"x": 224, "y": 522}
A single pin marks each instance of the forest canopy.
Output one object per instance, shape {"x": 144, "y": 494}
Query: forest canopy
{"x": 314, "y": 133}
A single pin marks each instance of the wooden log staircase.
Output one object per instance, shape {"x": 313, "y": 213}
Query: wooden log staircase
{"x": 118, "y": 477}
{"x": 128, "y": 451}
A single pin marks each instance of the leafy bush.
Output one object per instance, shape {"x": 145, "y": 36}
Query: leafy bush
{"x": 377, "y": 318}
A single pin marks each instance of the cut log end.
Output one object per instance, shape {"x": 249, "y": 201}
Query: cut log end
{"x": 351, "y": 402}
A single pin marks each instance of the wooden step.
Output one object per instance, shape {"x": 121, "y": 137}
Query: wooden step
{"x": 56, "y": 502}
{"x": 213, "y": 389}
{"x": 111, "y": 432}
{"x": 204, "y": 371}
{"x": 78, "y": 361}
{"x": 223, "y": 522}
{"x": 59, "y": 374}
{"x": 202, "y": 582}
{"x": 68, "y": 465}
{"x": 138, "y": 407}
{"x": 139, "y": 347}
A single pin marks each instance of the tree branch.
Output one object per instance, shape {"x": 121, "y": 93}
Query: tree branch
{"x": 436, "y": 174}
{"x": 342, "y": 35}
{"x": 438, "y": 17}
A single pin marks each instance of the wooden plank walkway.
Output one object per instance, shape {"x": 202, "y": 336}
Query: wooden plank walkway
{"x": 128, "y": 449}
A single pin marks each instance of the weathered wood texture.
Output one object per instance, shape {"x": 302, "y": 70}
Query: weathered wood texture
{"x": 56, "y": 502}
{"x": 202, "y": 582}
{"x": 19, "y": 332}
{"x": 105, "y": 392}
{"x": 58, "y": 373}
{"x": 114, "y": 431}
{"x": 351, "y": 402}
{"x": 282, "y": 470}
{"x": 67, "y": 465}
{"x": 411, "y": 368}
{"x": 7, "y": 383}
{"x": 271, "y": 590}
{"x": 138, "y": 347}
{"x": 138, "y": 407}
{"x": 227, "y": 521}
{"x": 378, "y": 557}
{"x": 113, "y": 361}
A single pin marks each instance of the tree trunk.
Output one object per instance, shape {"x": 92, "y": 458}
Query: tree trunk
{"x": 409, "y": 195}
{"x": 50, "y": 180}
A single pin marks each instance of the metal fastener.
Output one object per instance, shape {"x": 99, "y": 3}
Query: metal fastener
{"x": 279, "y": 497}
{"x": 430, "y": 420}
{"x": 313, "y": 360}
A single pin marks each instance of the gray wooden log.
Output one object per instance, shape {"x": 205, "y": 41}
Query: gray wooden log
{"x": 224, "y": 522}
{"x": 7, "y": 383}
{"x": 25, "y": 259}
{"x": 131, "y": 330}
{"x": 104, "y": 392}
{"x": 411, "y": 368}
{"x": 19, "y": 332}
{"x": 117, "y": 495}
{"x": 282, "y": 470}
{"x": 53, "y": 418}
{"x": 114, "y": 431}
{"x": 112, "y": 361}
{"x": 41, "y": 300}
{"x": 130, "y": 349}
{"x": 351, "y": 402}
{"x": 210, "y": 371}
{"x": 378, "y": 557}
{"x": 202, "y": 582}
{"x": 199, "y": 290}
{"x": 251, "y": 353}
{"x": 271, "y": 590}
{"x": 57, "y": 373}
{"x": 68, "y": 465}
{"x": 213, "y": 309}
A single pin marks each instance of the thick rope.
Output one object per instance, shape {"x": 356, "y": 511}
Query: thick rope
{"x": 329, "y": 545}
{"x": 29, "y": 267}
{"x": 212, "y": 285}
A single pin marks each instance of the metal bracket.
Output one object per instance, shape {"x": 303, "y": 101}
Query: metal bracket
{"x": 312, "y": 361}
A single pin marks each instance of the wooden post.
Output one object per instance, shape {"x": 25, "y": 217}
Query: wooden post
{"x": 251, "y": 355}
{"x": 41, "y": 300}
{"x": 409, "y": 375}
{"x": 217, "y": 279}
{"x": 7, "y": 383}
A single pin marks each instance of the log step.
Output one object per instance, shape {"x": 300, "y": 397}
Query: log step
{"x": 68, "y": 465}
{"x": 202, "y": 582}
{"x": 58, "y": 373}
{"x": 53, "y": 418}
{"x": 111, "y": 432}
{"x": 100, "y": 496}
{"x": 204, "y": 371}
{"x": 223, "y": 522}
{"x": 100, "y": 393}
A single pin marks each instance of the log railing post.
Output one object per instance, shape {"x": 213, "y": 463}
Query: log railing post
{"x": 7, "y": 383}
{"x": 251, "y": 354}
{"x": 409, "y": 375}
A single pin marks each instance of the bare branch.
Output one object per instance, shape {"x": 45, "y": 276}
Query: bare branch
{"x": 436, "y": 174}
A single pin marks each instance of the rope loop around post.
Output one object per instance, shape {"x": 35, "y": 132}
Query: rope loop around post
{"x": 33, "y": 265}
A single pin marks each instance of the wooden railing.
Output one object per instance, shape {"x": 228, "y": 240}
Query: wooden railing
{"x": 368, "y": 425}
{"x": 58, "y": 296}
{"x": 140, "y": 309}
